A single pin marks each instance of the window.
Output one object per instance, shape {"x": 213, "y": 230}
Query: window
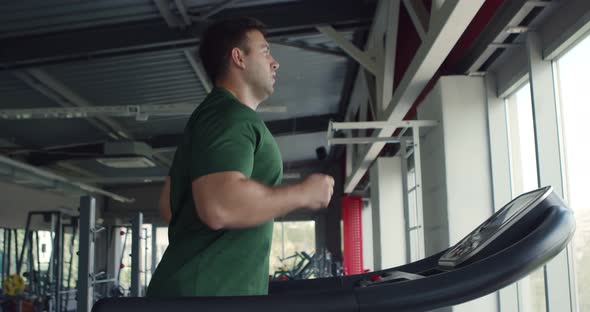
{"x": 70, "y": 258}
{"x": 289, "y": 240}
{"x": 524, "y": 177}
{"x": 161, "y": 243}
{"x": 124, "y": 275}
{"x": 522, "y": 141}
{"x": 572, "y": 71}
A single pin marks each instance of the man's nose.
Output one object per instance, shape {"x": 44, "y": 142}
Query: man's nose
{"x": 275, "y": 65}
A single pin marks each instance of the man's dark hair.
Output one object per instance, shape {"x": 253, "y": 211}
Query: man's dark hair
{"x": 220, "y": 38}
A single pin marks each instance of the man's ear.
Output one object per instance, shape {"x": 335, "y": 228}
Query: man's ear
{"x": 237, "y": 58}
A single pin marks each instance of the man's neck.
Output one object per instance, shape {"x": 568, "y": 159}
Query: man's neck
{"x": 242, "y": 92}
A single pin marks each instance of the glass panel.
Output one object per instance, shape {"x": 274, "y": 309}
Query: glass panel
{"x": 573, "y": 69}
{"x": 125, "y": 259}
{"x": 70, "y": 259}
{"x": 532, "y": 292}
{"x": 414, "y": 246}
{"x": 290, "y": 240}
{"x": 522, "y": 142}
{"x": 413, "y": 219}
{"x": 523, "y": 158}
{"x": 411, "y": 178}
{"x": 45, "y": 249}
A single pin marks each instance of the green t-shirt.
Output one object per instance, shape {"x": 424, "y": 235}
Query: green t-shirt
{"x": 221, "y": 135}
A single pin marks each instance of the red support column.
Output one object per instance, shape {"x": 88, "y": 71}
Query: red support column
{"x": 352, "y": 229}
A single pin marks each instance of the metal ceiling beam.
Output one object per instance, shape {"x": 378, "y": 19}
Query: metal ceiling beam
{"x": 384, "y": 24}
{"x": 140, "y": 112}
{"x": 172, "y": 20}
{"x": 182, "y": 9}
{"x": 199, "y": 70}
{"x": 419, "y": 16}
{"x": 454, "y": 17}
{"x": 436, "y": 5}
{"x": 357, "y": 54}
{"x": 493, "y": 38}
{"x": 216, "y": 9}
{"x": 387, "y": 58}
{"x": 64, "y": 96}
{"x": 359, "y": 37}
{"x": 376, "y": 90}
{"x": 285, "y": 19}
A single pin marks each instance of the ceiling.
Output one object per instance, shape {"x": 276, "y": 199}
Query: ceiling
{"x": 77, "y": 76}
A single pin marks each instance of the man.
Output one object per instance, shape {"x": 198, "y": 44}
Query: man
{"x": 223, "y": 191}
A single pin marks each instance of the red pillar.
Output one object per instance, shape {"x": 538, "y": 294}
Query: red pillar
{"x": 352, "y": 230}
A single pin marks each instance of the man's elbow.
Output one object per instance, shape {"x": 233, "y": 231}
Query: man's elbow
{"x": 215, "y": 217}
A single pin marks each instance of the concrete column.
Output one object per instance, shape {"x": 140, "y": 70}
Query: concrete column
{"x": 389, "y": 228}
{"x": 456, "y": 173}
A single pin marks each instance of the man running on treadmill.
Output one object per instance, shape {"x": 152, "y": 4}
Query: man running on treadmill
{"x": 223, "y": 190}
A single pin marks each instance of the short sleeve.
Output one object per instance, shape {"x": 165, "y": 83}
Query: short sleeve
{"x": 224, "y": 149}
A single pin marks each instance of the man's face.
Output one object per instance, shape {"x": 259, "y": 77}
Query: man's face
{"x": 261, "y": 67}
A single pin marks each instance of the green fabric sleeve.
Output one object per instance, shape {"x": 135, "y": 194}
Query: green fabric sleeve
{"x": 224, "y": 149}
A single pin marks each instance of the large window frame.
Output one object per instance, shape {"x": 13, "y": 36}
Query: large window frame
{"x": 533, "y": 62}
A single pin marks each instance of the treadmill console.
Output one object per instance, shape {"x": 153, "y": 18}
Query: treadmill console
{"x": 493, "y": 227}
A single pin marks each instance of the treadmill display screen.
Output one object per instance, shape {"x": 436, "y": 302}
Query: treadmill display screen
{"x": 493, "y": 227}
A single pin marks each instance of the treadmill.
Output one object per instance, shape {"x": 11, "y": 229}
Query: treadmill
{"x": 522, "y": 236}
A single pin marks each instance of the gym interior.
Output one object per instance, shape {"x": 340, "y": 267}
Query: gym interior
{"x": 435, "y": 117}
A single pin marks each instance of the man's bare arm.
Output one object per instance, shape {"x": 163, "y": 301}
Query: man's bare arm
{"x": 231, "y": 200}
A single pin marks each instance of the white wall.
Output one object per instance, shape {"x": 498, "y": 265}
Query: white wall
{"x": 436, "y": 226}
{"x": 456, "y": 168}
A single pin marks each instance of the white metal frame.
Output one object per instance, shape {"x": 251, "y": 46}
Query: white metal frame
{"x": 414, "y": 145}
{"x": 414, "y": 150}
{"x": 362, "y": 125}
{"x": 361, "y": 57}
{"x": 446, "y": 26}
